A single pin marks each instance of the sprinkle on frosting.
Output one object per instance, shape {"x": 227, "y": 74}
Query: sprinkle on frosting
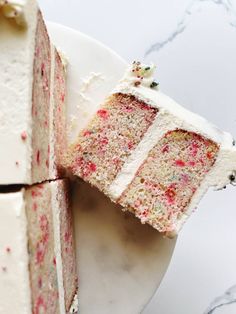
{"x": 141, "y": 74}
{"x": 13, "y": 9}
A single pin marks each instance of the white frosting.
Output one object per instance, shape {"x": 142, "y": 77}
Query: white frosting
{"x": 14, "y": 274}
{"x": 16, "y": 64}
{"x": 52, "y": 159}
{"x": 55, "y": 205}
{"x": 14, "y": 9}
{"x": 172, "y": 116}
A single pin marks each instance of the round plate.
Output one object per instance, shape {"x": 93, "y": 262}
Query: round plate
{"x": 120, "y": 261}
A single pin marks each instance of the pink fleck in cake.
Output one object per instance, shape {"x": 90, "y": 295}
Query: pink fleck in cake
{"x": 32, "y": 89}
{"x": 37, "y": 259}
{"x": 151, "y": 155}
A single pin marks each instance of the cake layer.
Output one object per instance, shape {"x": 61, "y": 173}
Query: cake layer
{"x": 177, "y": 155}
{"x": 181, "y": 161}
{"x": 104, "y": 146}
{"x": 28, "y": 92}
{"x": 37, "y": 255}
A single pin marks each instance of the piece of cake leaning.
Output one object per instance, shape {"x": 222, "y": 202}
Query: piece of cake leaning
{"x": 150, "y": 155}
{"x": 37, "y": 254}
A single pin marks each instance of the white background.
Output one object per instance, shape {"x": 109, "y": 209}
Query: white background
{"x": 197, "y": 67}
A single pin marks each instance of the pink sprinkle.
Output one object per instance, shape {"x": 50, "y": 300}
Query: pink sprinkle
{"x": 40, "y": 283}
{"x": 35, "y": 206}
{"x": 179, "y": 163}
{"x": 23, "y": 135}
{"x": 63, "y": 97}
{"x": 209, "y": 155}
{"x": 130, "y": 145}
{"x": 166, "y": 149}
{"x": 38, "y": 157}
{"x": 67, "y": 236}
{"x": 192, "y": 163}
{"x": 102, "y": 113}
{"x": 92, "y": 167}
{"x": 104, "y": 141}
{"x": 40, "y": 253}
{"x": 87, "y": 133}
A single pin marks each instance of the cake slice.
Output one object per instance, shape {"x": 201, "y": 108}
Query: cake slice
{"x": 37, "y": 257}
{"x": 150, "y": 155}
{"x": 32, "y": 89}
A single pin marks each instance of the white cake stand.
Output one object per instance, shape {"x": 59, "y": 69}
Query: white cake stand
{"x": 121, "y": 262}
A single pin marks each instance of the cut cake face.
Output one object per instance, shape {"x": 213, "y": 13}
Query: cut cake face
{"x": 32, "y": 88}
{"x": 37, "y": 258}
{"x": 149, "y": 154}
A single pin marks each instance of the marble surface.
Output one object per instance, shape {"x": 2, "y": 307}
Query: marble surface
{"x": 193, "y": 43}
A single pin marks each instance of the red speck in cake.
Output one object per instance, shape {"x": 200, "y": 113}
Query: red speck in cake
{"x": 23, "y": 135}
{"x": 47, "y": 163}
{"x": 40, "y": 252}
{"x": 38, "y": 157}
{"x": 87, "y": 133}
{"x": 143, "y": 106}
{"x": 46, "y": 123}
{"x": 180, "y": 163}
{"x": 209, "y": 155}
{"x": 43, "y": 222}
{"x": 35, "y": 193}
{"x": 184, "y": 179}
{"x": 87, "y": 166}
{"x": 40, "y": 306}
{"x": 67, "y": 237}
{"x": 34, "y": 206}
{"x": 165, "y": 149}
{"x": 130, "y": 145}
{"x": 104, "y": 141}
{"x": 40, "y": 283}
{"x": 17, "y": 163}
{"x": 128, "y": 109}
{"x": 54, "y": 261}
{"x": 92, "y": 167}
{"x": 194, "y": 149}
{"x": 170, "y": 195}
{"x": 42, "y": 69}
{"x": 48, "y": 149}
{"x": 8, "y": 249}
{"x": 102, "y": 113}
{"x": 63, "y": 97}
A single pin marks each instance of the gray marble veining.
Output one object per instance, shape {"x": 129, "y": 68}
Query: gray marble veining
{"x": 229, "y": 297}
{"x": 193, "y": 7}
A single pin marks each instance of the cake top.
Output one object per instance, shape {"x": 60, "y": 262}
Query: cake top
{"x": 14, "y": 9}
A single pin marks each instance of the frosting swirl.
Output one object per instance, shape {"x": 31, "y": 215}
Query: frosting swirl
{"x": 13, "y": 10}
{"x": 141, "y": 74}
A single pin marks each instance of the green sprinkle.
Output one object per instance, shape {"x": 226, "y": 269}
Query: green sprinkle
{"x": 154, "y": 84}
{"x": 147, "y": 68}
